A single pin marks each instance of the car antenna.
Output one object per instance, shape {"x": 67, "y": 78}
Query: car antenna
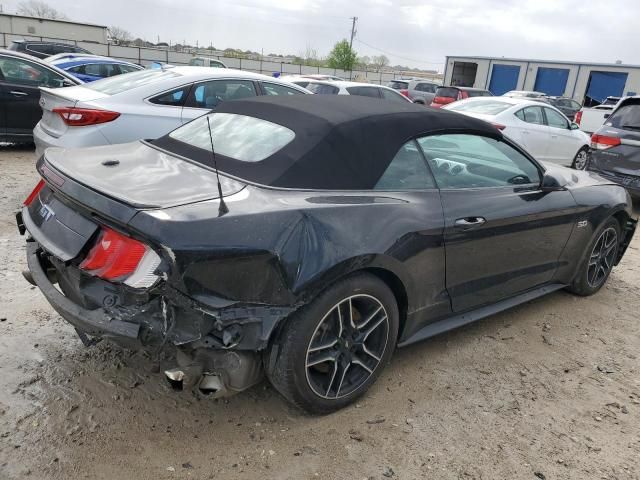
{"x": 222, "y": 209}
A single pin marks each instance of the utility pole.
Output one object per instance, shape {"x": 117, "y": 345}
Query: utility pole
{"x": 353, "y": 34}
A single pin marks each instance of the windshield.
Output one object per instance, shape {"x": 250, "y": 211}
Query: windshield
{"x": 627, "y": 116}
{"x": 479, "y": 93}
{"x": 448, "y": 92}
{"x": 128, "y": 81}
{"x": 489, "y": 107}
{"x": 323, "y": 89}
{"x": 243, "y": 138}
{"x": 398, "y": 85}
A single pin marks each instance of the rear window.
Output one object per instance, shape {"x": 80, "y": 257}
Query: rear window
{"x": 627, "y": 116}
{"x": 122, "y": 83}
{"x": 322, "y": 89}
{"x": 447, "y": 92}
{"x": 479, "y": 93}
{"x": 240, "y": 137}
{"x": 196, "y": 62}
{"x": 398, "y": 85}
{"x": 489, "y": 107}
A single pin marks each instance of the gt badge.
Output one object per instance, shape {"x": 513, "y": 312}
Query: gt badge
{"x": 582, "y": 223}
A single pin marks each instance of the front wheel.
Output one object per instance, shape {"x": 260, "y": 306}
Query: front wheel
{"x": 581, "y": 158}
{"x": 596, "y": 267}
{"x": 332, "y": 350}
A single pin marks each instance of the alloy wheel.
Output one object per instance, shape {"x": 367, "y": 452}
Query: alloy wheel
{"x": 580, "y": 162}
{"x": 347, "y": 346}
{"x": 602, "y": 257}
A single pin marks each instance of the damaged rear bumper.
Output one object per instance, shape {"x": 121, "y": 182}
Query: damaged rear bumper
{"x": 92, "y": 322}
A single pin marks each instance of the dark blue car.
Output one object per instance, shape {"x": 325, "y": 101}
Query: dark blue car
{"x": 91, "y": 67}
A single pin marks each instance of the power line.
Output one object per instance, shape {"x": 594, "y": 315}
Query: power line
{"x": 399, "y": 56}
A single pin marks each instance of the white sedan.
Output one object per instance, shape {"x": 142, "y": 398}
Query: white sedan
{"x": 541, "y": 129}
{"x": 344, "y": 87}
{"x": 143, "y": 105}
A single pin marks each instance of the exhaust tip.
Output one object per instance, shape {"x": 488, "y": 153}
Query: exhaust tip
{"x": 212, "y": 386}
{"x": 175, "y": 377}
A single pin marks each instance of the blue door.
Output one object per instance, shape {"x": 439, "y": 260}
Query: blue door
{"x": 605, "y": 84}
{"x": 504, "y": 78}
{"x": 551, "y": 81}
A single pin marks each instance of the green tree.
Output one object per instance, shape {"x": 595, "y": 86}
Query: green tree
{"x": 342, "y": 56}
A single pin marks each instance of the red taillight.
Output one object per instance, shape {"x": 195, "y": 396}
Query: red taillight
{"x": 603, "y": 142}
{"x": 32, "y": 196}
{"x": 443, "y": 100}
{"x": 578, "y": 118}
{"x": 499, "y": 126}
{"x": 114, "y": 256}
{"x": 80, "y": 117}
{"x": 404, "y": 92}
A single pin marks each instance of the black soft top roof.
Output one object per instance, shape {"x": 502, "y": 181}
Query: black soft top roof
{"x": 341, "y": 142}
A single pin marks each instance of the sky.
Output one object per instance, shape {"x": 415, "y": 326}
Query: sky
{"x": 416, "y": 33}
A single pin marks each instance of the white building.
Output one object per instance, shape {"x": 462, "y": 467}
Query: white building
{"x": 15, "y": 27}
{"x": 584, "y": 82}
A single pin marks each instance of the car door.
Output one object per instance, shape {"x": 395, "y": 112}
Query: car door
{"x": 533, "y": 130}
{"x": 208, "y": 94}
{"x": 20, "y": 80}
{"x": 563, "y": 144}
{"x": 502, "y": 234}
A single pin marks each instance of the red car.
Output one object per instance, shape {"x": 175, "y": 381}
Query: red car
{"x": 446, "y": 95}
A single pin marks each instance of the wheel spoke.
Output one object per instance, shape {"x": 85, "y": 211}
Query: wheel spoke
{"x": 344, "y": 374}
{"x": 593, "y": 260}
{"x": 340, "y": 323}
{"x": 333, "y": 377}
{"x": 351, "y": 320}
{"x": 321, "y": 358}
{"x": 324, "y": 346}
{"x": 357, "y": 361}
{"x": 375, "y": 325}
{"x": 370, "y": 353}
{"x": 371, "y": 317}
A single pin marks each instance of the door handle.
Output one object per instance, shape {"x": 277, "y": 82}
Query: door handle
{"x": 18, "y": 93}
{"x": 554, "y": 136}
{"x": 469, "y": 222}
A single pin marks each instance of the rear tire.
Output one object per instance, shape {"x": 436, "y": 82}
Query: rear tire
{"x": 333, "y": 349}
{"x": 598, "y": 263}
{"x": 581, "y": 159}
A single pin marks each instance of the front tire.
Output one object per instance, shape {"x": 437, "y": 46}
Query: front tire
{"x": 596, "y": 267}
{"x": 333, "y": 349}
{"x": 581, "y": 159}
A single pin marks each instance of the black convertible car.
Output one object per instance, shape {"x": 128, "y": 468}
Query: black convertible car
{"x": 337, "y": 229}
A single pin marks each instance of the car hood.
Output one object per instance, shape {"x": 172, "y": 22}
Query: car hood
{"x": 139, "y": 175}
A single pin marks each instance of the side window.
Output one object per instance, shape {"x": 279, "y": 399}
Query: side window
{"x": 21, "y": 72}
{"x": 102, "y": 70}
{"x": 79, "y": 69}
{"x": 276, "y": 89}
{"x": 392, "y": 95}
{"x": 174, "y": 98}
{"x": 531, "y": 115}
{"x": 575, "y": 105}
{"x": 407, "y": 171}
{"x": 44, "y": 48}
{"x": 364, "y": 91}
{"x": 472, "y": 161}
{"x": 127, "y": 68}
{"x": 555, "y": 119}
{"x": 210, "y": 94}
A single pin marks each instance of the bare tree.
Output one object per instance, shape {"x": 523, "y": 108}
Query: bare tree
{"x": 35, "y": 8}
{"x": 120, "y": 35}
{"x": 380, "y": 61}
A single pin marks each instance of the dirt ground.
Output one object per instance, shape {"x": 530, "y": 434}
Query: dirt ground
{"x": 550, "y": 389}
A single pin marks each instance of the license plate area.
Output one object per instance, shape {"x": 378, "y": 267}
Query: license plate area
{"x": 58, "y": 228}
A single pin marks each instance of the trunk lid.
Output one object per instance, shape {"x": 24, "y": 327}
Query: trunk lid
{"x": 51, "y": 98}
{"x": 140, "y": 175}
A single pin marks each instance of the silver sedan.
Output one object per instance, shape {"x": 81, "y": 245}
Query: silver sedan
{"x": 143, "y": 105}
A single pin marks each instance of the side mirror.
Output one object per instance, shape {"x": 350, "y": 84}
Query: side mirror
{"x": 551, "y": 184}
{"x": 67, "y": 83}
{"x": 574, "y": 126}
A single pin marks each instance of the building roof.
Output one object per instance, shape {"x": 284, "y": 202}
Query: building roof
{"x": 59, "y": 20}
{"x": 558, "y": 62}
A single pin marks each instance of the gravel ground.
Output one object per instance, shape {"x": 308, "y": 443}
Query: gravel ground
{"x": 548, "y": 390}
